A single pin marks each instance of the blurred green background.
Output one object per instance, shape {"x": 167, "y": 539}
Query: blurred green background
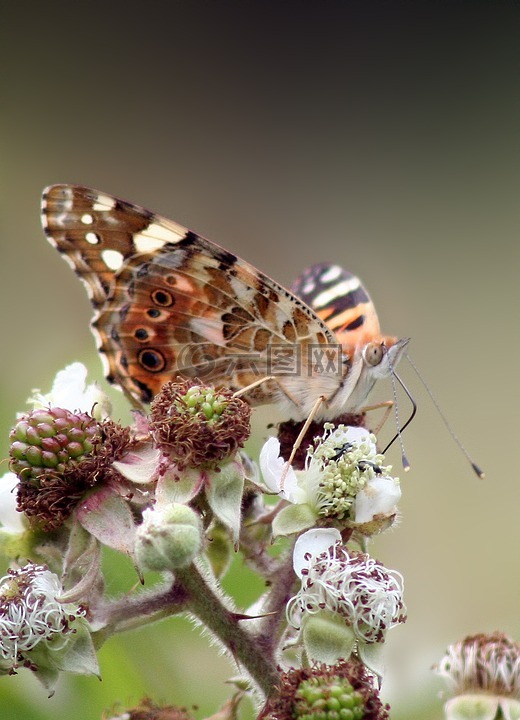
{"x": 381, "y": 136}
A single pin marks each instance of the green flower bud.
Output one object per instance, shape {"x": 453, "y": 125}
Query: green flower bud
{"x": 169, "y": 537}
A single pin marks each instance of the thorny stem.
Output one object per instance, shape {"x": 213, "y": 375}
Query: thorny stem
{"x": 208, "y": 607}
{"x": 280, "y": 592}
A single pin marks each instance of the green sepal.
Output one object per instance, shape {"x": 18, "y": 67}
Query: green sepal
{"x": 72, "y": 653}
{"x": 294, "y": 519}
{"x": 480, "y": 706}
{"x": 327, "y": 638}
{"x": 224, "y": 491}
{"x": 219, "y": 550}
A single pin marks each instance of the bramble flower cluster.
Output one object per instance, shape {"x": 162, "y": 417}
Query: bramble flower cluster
{"x": 343, "y": 484}
{"x": 179, "y": 493}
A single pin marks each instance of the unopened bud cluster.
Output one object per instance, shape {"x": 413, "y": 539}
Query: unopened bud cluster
{"x": 168, "y": 538}
{"x": 322, "y": 698}
{"x": 205, "y": 400}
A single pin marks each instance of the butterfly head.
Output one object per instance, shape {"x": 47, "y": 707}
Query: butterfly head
{"x": 365, "y": 364}
{"x": 381, "y": 356}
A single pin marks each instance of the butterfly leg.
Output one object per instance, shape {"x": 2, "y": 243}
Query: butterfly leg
{"x": 134, "y": 402}
{"x": 388, "y": 405}
{"x": 301, "y": 435}
{"x": 264, "y": 379}
{"x": 253, "y": 385}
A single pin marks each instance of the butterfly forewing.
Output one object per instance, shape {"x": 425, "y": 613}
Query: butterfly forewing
{"x": 170, "y": 302}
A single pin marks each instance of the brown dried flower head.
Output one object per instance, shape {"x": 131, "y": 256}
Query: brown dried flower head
{"x": 321, "y": 692}
{"x": 196, "y": 425}
{"x": 148, "y": 710}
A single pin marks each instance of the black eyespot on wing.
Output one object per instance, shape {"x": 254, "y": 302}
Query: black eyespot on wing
{"x": 151, "y": 360}
{"x": 163, "y": 298}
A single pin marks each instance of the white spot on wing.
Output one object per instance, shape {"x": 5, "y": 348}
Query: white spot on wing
{"x": 209, "y": 329}
{"x": 104, "y": 203}
{"x": 87, "y": 219}
{"x": 331, "y": 274}
{"x": 113, "y": 259}
{"x": 157, "y": 234}
{"x": 92, "y": 238}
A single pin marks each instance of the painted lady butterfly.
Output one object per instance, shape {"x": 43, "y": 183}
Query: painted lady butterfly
{"x": 169, "y": 302}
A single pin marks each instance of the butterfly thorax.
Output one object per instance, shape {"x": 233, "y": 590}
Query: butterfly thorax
{"x": 344, "y": 388}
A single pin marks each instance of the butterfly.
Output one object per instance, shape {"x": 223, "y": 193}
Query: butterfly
{"x": 168, "y": 302}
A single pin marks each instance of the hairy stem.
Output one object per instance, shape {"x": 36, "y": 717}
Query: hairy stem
{"x": 131, "y": 612}
{"x": 281, "y": 590}
{"x": 209, "y": 608}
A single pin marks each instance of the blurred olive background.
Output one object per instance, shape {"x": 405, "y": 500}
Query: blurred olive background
{"x": 381, "y": 136}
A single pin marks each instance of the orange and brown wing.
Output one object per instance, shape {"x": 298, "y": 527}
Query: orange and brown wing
{"x": 170, "y": 302}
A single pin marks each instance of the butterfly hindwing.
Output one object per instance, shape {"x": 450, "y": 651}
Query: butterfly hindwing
{"x": 339, "y": 298}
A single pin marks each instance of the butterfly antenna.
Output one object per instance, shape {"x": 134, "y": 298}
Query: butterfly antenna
{"x": 398, "y": 436}
{"x": 458, "y": 442}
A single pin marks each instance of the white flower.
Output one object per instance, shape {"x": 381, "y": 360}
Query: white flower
{"x": 346, "y": 597}
{"x": 483, "y": 674}
{"x": 10, "y": 519}
{"x": 70, "y": 392}
{"x": 343, "y": 480}
{"x": 36, "y": 628}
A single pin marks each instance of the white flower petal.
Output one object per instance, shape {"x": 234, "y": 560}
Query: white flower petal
{"x": 273, "y": 466}
{"x": 10, "y": 519}
{"x": 70, "y": 392}
{"x": 360, "y": 435}
{"x": 313, "y": 542}
{"x": 379, "y": 496}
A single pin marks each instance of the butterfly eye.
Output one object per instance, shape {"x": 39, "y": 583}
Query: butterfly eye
{"x": 373, "y": 353}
